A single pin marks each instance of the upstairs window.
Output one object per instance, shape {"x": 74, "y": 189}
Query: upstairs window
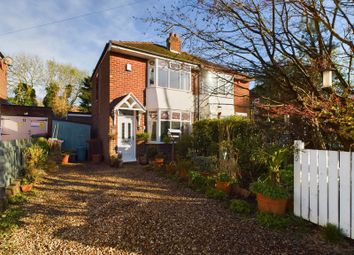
{"x": 217, "y": 84}
{"x": 174, "y": 75}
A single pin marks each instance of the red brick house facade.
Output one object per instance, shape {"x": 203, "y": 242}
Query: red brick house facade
{"x": 145, "y": 87}
{"x": 3, "y": 83}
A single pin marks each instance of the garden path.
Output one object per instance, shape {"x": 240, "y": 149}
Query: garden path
{"x": 95, "y": 209}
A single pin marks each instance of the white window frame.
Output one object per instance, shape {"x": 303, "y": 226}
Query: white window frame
{"x": 156, "y": 72}
{"x": 159, "y": 120}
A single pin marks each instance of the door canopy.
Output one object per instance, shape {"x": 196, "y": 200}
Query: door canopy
{"x": 128, "y": 102}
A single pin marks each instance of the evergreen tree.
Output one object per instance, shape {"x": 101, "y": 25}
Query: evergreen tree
{"x": 52, "y": 92}
{"x": 85, "y": 95}
{"x": 24, "y": 95}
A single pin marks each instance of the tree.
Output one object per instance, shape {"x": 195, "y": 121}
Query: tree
{"x": 68, "y": 79}
{"x": 286, "y": 43}
{"x": 24, "y": 95}
{"x": 85, "y": 95}
{"x": 51, "y": 93}
{"x": 26, "y": 69}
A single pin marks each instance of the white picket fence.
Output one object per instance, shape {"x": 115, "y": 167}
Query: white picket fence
{"x": 323, "y": 191}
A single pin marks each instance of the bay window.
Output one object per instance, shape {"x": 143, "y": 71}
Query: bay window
{"x": 160, "y": 121}
{"x": 173, "y": 75}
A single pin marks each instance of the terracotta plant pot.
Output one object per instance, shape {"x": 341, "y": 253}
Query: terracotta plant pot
{"x": 140, "y": 141}
{"x": 269, "y": 205}
{"x": 223, "y": 186}
{"x": 65, "y": 159}
{"x": 205, "y": 174}
{"x": 96, "y": 158}
{"x": 26, "y": 187}
{"x": 158, "y": 162}
{"x": 183, "y": 174}
{"x": 170, "y": 167}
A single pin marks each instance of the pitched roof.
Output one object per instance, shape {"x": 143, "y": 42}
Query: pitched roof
{"x": 162, "y": 51}
{"x": 1, "y": 55}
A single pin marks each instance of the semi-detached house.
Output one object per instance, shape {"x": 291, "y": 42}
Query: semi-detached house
{"x": 146, "y": 87}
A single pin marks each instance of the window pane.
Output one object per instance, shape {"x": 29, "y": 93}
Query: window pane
{"x": 165, "y": 115}
{"x": 174, "y": 79}
{"x": 185, "y": 116}
{"x": 187, "y": 81}
{"x": 152, "y": 75}
{"x": 176, "y": 115}
{"x": 176, "y": 125}
{"x": 163, "y": 77}
{"x": 153, "y": 115}
{"x": 165, "y": 125}
{"x": 123, "y": 130}
{"x": 185, "y": 127}
{"x": 129, "y": 130}
{"x": 152, "y": 130}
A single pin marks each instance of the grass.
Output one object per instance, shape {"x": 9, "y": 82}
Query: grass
{"x": 273, "y": 221}
{"x": 332, "y": 234}
{"x": 11, "y": 217}
{"x": 240, "y": 206}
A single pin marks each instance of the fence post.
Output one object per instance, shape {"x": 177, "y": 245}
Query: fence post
{"x": 298, "y": 146}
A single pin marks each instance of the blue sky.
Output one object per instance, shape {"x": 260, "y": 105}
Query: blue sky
{"x": 78, "y": 41}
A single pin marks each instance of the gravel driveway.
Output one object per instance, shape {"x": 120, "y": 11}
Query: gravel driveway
{"x": 90, "y": 209}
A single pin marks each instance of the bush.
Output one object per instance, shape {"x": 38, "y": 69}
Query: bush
{"x": 216, "y": 194}
{"x": 205, "y": 164}
{"x": 269, "y": 190}
{"x": 198, "y": 181}
{"x": 143, "y": 136}
{"x": 184, "y": 144}
{"x": 240, "y": 206}
{"x": 273, "y": 221}
{"x": 332, "y": 234}
{"x": 151, "y": 152}
{"x": 43, "y": 143}
{"x": 35, "y": 156}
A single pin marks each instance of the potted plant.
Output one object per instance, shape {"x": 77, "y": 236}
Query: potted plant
{"x": 159, "y": 159}
{"x": 26, "y": 185}
{"x": 170, "y": 167}
{"x": 206, "y": 165}
{"x": 223, "y": 183}
{"x": 65, "y": 155}
{"x": 272, "y": 196}
{"x": 96, "y": 158}
{"x": 116, "y": 160}
{"x": 151, "y": 153}
{"x": 142, "y": 137}
{"x": 183, "y": 168}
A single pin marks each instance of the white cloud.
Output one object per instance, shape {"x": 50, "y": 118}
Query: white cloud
{"x": 78, "y": 42}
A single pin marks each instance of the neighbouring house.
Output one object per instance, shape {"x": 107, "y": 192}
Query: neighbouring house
{"x": 17, "y": 121}
{"x": 146, "y": 87}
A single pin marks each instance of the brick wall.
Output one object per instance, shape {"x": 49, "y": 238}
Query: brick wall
{"x": 123, "y": 82}
{"x": 241, "y": 97}
{"x": 100, "y": 104}
{"x": 3, "y": 83}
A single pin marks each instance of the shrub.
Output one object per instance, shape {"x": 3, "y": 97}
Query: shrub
{"x": 43, "y": 143}
{"x": 198, "y": 181}
{"x": 216, "y": 194}
{"x": 184, "y": 144}
{"x": 205, "y": 164}
{"x": 240, "y": 206}
{"x": 269, "y": 190}
{"x": 223, "y": 177}
{"x": 35, "y": 156}
{"x": 143, "y": 136}
{"x": 332, "y": 234}
{"x": 273, "y": 221}
{"x": 151, "y": 152}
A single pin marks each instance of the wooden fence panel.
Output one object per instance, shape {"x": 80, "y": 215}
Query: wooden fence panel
{"x": 314, "y": 186}
{"x": 305, "y": 185}
{"x": 333, "y": 187}
{"x": 322, "y": 188}
{"x": 344, "y": 191}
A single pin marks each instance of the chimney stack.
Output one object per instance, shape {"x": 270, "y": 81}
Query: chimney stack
{"x": 174, "y": 43}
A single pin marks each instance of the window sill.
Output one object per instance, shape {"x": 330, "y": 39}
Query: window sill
{"x": 180, "y": 90}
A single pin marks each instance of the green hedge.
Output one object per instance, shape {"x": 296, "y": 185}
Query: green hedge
{"x": 245, "y": 137}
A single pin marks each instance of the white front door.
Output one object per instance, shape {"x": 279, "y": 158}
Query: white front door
{"x": 126, "y": 137}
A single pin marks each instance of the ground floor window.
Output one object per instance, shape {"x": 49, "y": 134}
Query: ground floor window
{"x": 160, "y": 121}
